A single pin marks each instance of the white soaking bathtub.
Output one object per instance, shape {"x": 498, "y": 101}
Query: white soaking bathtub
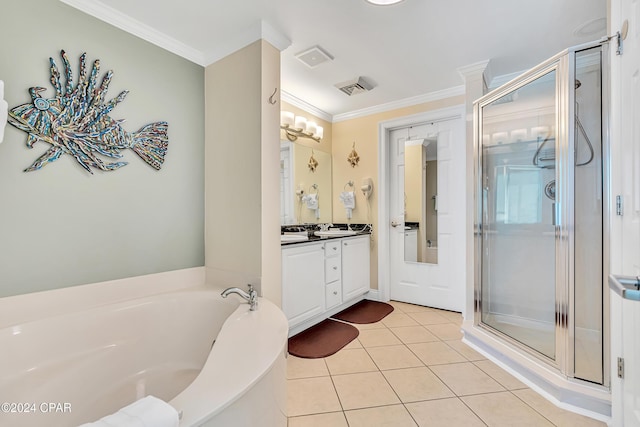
{"x": 91, "y": 362}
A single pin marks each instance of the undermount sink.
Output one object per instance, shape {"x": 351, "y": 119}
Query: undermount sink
{"x": 286, "y": 238}
{"x": 334, "y": 233}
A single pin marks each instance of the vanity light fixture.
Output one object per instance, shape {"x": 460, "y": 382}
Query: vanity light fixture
{"x": 298, "y": 127}
{"x": 383, "y": 2}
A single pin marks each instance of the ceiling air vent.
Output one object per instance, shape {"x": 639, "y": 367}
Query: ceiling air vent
{"x": 313, "y": 57}
{"x": 356, "y": 86}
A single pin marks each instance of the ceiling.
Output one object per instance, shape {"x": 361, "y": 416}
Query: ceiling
{"x": 407, "y": 50}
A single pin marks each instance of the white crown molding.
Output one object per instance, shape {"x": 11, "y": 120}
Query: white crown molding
{"x": 116, "y": 18}
{"x": 402, "y": 103}
{"x": 473, "y": 69}
{"x": 259, "y": 30}
{"x": 303, "y": 105}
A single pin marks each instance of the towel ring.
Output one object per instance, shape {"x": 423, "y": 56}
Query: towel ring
{"x": 348, "y": 184}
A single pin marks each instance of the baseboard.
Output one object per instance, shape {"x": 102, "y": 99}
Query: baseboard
{"x": 373, "y": 295}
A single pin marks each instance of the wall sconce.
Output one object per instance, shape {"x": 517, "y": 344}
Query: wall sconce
{"x": 4, "y": 108}
{"x": 298, "y": 127}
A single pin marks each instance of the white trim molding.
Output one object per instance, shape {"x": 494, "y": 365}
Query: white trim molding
{"x": 406, "y": 102}
{"x": 119, "y": 20}
{"x": 304, "y": 105}
{"x": 260, "y": 30}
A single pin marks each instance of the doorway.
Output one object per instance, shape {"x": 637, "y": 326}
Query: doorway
{"x": 422, "y": 209}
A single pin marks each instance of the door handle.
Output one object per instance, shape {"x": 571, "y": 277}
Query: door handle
{"x": 395, "y": 223}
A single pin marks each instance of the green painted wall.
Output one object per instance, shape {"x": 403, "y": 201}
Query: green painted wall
{"x": 61, "y": 226}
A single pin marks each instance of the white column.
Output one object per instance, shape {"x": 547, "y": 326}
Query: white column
{"x": 474, "y": 76}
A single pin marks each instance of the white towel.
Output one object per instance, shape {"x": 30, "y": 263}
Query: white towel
{"x": 146, "y": 412}
{"x": 311, "y": 200}
{"x": 348, "y": 199}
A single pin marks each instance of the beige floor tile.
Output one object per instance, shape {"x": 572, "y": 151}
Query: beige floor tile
{"x": 465, "y": 350}
{"x": 377, "y": 337}
{"x": 353, "y": 344}
{"x": 381, "y": 416}
{"x": 504, "y": 409}
{"x": 428, "y": 318}
{"x": 311, "y": 396}
{"x": 364, "y": 390}
{"x": 443, "y": 413}
{"x": 409, "y": 308}
{"x": 397, "y": 318}
{"x": 557, "y": 416}
{"x": 413, "y": 334}
{"x": 446, "y": 331}
{"x": 416, "y": 384}
{"x": 466, "y": 378}
{"x": 332, "y": 419}
{"x": 452, "y": 316}
{"x": 298, "y": 367}
{"x": 393, "y": 357}
{"x": 367, "y": 326}
{"x": 350, "y": 362}
{"x": 436, "y": 353}
{"x": 507, "y": 380}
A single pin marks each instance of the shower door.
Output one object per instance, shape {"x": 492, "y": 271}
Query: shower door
{"x": 519, "y": 168}
{"x": 540, "y": 199}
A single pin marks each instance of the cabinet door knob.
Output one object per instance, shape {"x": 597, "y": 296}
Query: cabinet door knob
{"x": 335, "y": 248}
{"x": 335, "y": 267}
{"x": 335, "y": 292}
{"x": 345, "y": 243}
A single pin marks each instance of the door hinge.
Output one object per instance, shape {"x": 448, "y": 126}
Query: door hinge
{"x": 620, "y": 367}
{"x": 619, "y": 205}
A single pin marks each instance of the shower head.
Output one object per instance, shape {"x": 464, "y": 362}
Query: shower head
{"x": 578, "y": 83}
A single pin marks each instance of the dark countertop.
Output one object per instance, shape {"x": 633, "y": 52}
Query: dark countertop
{"x": 360, "y": 229}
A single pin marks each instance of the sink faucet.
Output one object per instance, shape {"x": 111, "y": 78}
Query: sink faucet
{"x": 251, "y": 297}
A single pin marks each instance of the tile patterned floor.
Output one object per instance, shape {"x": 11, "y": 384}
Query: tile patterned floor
{"x": 412, "y": 369}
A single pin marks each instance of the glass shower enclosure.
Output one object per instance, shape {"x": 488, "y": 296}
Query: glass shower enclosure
{"x": 541, "y": 214}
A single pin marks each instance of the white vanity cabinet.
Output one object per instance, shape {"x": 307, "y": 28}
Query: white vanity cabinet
{"x": 321, "y": 278}
{"x": 332, "y": 273}
{"x": 355, "y": 266}
{"x": 303, "y": 283}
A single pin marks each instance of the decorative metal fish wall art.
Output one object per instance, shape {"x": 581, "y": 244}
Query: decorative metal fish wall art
{"x": 76, "y": 121}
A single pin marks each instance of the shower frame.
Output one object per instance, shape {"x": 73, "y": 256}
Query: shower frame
{"x": 563, "y": 365}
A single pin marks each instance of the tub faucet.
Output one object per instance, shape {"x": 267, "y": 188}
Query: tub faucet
{"x": 251, "y": 297}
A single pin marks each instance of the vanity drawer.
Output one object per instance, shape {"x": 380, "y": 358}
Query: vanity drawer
{"x": 332, "y": 248}
{"x": 333, "y": 294}
{"x": 332, "y": 269}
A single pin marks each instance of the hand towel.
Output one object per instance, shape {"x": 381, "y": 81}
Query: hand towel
{"x": 146, "y": 412}
{"x": 311, "y": 201}
{"x": 348, "y": 199}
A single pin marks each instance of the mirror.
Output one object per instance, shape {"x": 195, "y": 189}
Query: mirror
{"x": 305, "y": 184}
{"x": 421, "y": 200}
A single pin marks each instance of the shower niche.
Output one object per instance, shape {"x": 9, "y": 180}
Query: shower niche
{"x": 540, "y": 224}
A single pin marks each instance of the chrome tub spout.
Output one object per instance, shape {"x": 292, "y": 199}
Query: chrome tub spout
{"x": 251, "y": 296}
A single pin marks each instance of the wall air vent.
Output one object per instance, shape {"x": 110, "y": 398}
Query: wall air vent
{"x": 313, "y": 57}
{"x": 356, "y": 86}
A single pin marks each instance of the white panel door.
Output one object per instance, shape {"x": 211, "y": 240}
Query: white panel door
{"x": 625, "y": 239}
{"x": 434, "y": 285}
{"x": 629, "y": 63}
